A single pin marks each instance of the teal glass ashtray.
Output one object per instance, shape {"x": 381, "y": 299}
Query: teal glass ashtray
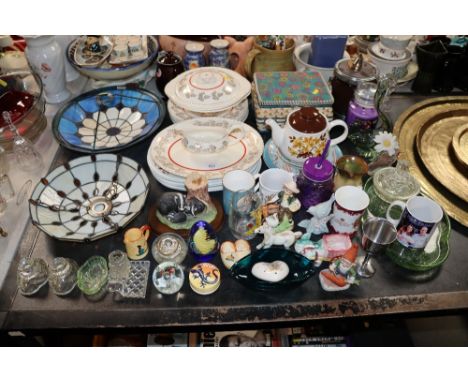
{"x": 300, "y": 269}
{"x": 432, "y": 256}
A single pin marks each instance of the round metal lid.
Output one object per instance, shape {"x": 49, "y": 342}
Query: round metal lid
{"x": 355, "y": 71}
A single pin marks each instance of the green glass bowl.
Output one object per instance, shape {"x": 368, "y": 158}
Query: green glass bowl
{"x": 92, "y": 275}
{"x": 420, "y": 260}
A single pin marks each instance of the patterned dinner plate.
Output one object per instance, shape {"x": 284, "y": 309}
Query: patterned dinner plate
{"x": 108, "y": 119}
{"x": 169, "y": 153}
{"x": 89, "y": 197}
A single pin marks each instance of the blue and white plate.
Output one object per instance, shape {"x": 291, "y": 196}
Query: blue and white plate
{"x": 274, "y": 159}
{"x": 108, "y": 119}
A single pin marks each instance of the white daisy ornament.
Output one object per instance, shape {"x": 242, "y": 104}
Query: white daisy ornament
{"x": 386, "y": 142}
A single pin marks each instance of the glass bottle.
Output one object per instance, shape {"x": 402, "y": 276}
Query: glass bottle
{"x": 362, "y": 113}
{"x": 315, "y": 182}
{"x": 194, "y": 57}
{"x": 6, "y": 188}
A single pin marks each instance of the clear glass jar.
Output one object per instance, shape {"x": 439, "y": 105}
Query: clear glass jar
{"x": 315, "y": 182}
{"x": 119, "y": 266}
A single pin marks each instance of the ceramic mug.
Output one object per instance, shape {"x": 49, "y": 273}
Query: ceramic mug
{"x": 350, "y": 204}
{"x": 210, "y": 139}
{"x": 237, "y": 182}
{"x": 136, "y": 244}
{"x": 272, "y": 181}
{"x": 417, "y": 222}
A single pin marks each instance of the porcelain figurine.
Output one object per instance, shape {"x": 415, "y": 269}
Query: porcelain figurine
{"x": 180, "y": 211}
{"x": 313, "y": 250}
{"x": 288, "y": 198}
{"x": 231, "y": 252}
{"x": 285, "y": 238}
{"x": 341, "y": 273}
{"x": 317, "y": 224}
{"x": 272, "y": 272}
{"x": 280, "y": 222}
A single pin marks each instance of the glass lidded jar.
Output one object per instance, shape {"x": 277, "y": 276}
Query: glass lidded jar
{"x": 362, "y": 113}
{"x": 62, "y": 275}
{"x": 315, "y": 182}
{"x": 119, "y": 267}
{"x": 348, "y": 74}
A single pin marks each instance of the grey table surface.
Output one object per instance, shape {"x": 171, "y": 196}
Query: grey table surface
{"x": 392, "y": 290}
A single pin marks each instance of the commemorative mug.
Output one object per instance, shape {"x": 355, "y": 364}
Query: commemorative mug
{"x": 237, "y": 183}
{"x": 350, "y": 204}
{"x": 136, "y": 242}
{"x": 417, "y": 222}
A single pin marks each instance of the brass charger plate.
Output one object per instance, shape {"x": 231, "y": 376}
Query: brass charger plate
{"x": 406, "y": 129}
{"x": 434, "y": 143}
{"x": 460, "y": 144}
{"x": 159, "y": 227}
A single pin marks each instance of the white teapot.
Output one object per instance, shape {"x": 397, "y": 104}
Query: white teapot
{"x": 305, "y": 134}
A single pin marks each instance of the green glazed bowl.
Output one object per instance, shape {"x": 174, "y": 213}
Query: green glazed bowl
{"x": 420, "y": 260}
{"x": 92, "y": 275}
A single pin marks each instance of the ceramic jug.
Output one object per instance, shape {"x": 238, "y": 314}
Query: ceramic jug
{"x": 136, "y": 244}
{"x": 261, "y": 59}
{"x": 305, "y": 134}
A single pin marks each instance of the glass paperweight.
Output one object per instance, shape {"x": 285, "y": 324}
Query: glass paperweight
{"x": 169, "y": 247}
{"x": 395, "y": 183}
{"x": 92, "y": 277}
{"x": 203, "y": 242}
{"x": 31, "y": 275}
{"x": 168, "y": 277}
{"x": 62, "y": 275}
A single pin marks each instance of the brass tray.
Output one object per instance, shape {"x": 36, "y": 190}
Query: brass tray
{"x": 406, "y": 129}
{"x": 434, "y": 143}
{"x": 460, "y": 144}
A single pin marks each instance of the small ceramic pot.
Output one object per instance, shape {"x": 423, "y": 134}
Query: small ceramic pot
{"x": 305, "y": 134}
{"x": 385, "y": 66}
{"x": 136, "y": 242}
{"x": 395, "y": 42}
{"x": 194, "y": 57}
{"x": 261, "y": 59}
{"x": 169, "y": 67}
{"x": 219, "y": 55}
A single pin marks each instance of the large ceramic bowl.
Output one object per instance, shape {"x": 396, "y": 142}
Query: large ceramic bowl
{"x": 30, "y": 120}
{"x": 208, "y": 89}
{"x": 398, "y": 67}
{"x": 89, "y": 197}
{"x": 301, "y": 56}
{"x": 108, "y": 119}
{"x": 116, "y": 72}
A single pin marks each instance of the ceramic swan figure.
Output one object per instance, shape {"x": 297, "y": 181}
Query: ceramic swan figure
{"x": 285, "y": 238}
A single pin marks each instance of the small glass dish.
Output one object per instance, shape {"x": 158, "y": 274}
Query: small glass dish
{"x": 168, "y": 277}
{"x": 300, "y": 269}
{"x": 62, "y": 275}
{"x": 31, "y": 275}
{"x": 93, "y": 277}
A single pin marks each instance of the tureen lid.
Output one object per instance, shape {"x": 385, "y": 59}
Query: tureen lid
{"x": 208, "y": 89}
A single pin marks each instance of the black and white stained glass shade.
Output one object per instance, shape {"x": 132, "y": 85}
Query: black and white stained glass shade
{"x": 89, "y": 197}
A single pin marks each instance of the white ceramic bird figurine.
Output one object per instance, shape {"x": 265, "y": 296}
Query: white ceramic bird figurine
{"x": 322, "y": 209}
{"x": 317, "y": 224}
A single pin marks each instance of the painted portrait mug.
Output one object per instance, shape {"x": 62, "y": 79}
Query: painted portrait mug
{"x": 417, "y": 222}
{"x": 236, "y": 184}
{"x": 350, "y": 204}
{"x": 136, "y": 242}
